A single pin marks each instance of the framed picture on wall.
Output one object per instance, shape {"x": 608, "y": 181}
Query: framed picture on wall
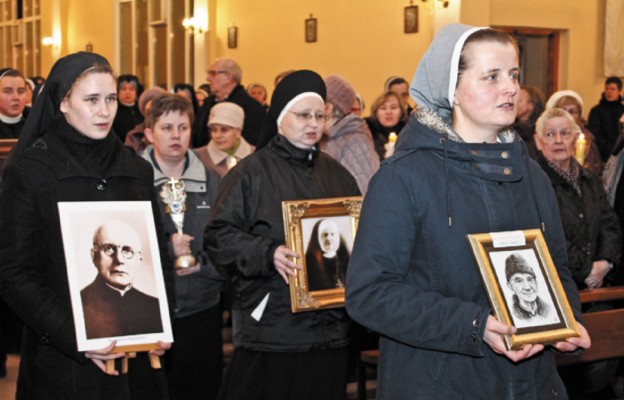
{"x": 310, "y": 30}
{"x": 232, "y": 37}
{"x": 410, "y": 19}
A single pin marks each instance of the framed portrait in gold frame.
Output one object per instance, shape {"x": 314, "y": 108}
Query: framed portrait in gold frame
{"x": 523, "y": 286}
{"x": 322, "y": 231}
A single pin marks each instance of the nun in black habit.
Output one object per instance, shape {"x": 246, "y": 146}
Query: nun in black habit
{"x": 67, "y": 153}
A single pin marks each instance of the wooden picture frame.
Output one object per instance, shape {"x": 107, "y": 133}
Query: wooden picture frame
{"x": 310, "y": 30}
{"x": 232, "y": 37}
{"x": 322, "y": 231}
{"x": 145, "y": 319}
{"x": 517, "y": 270}
{"x": 410, "y": 19}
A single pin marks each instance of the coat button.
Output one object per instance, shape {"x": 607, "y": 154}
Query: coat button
{"x": 473, "y": 338}
{"x": 581, "y": 216}
{"x": 476, "y": 323}
{"x": 505, "y": 155}
{"x": 507, "y": 171}
{"x": 555, "y": 392}
{"x": 44, "y": 338}
{"x": 101, "y": 185}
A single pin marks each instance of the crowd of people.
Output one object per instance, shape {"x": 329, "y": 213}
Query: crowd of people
{"x": 475, "y": 152}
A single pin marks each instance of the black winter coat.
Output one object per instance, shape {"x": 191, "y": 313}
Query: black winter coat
{"x": 33, "y": 276}
{"x": 248, "y": 226}
{"x": 591, "y": 227}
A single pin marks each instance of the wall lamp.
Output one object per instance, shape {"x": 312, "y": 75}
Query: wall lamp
{"x": 195, "y": 25}
{"x": 50, "y": 41}
{"x": 443, "y": 3}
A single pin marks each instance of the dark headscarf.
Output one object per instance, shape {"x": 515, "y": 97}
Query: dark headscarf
{"x": 288, "y": 88}
{"x": 190, "y": 90}
{"x": 46, "y": 110}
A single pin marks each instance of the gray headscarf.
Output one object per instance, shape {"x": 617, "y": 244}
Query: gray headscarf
{"x": 433, "y": 86}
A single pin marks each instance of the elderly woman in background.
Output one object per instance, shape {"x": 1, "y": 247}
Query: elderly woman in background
{"x": 226, "y": 147}
{"x": 591, "y": 226}
{"x": 278, "y": 354}
{"x": 573, "y": 103}
{"x": 347, "y": 138}
{"x": 387, "y": 116}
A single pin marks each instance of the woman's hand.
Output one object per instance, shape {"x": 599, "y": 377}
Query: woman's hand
{"x": 283, "y": 265}
{"x": 181, "y": 244}
{"x": 492, "y": 336}
{"x": 163, "y": 347}
{"x": 573, "y": 343}
{"x": 99, "y": 357}
{"x": 599, "y": 270}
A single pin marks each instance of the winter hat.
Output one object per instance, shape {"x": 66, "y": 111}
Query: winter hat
{"x": 516, "y": 264}
{"x": 148, "y": 96}
{"x": 292, "y": 88}
{"x": 555, "y": 97}
{"x": 299, "y": 85}
{"x": 340, "y": 93}
{"x": 228, "y": 114}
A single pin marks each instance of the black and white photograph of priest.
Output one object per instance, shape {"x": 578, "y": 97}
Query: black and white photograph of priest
{"x": 526, "y": 292}
{"x": 328, "y": 250}
{"x": 112, "y": 306}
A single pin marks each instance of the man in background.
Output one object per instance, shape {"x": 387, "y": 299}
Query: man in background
{"x": 224, "y": 77}
{"x": 603, "y": 119}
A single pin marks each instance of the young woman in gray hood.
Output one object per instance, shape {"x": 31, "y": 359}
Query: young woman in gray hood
{"x": 458, "y": 169}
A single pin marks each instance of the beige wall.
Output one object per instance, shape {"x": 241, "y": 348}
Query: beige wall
{"x": 363, "y": 41}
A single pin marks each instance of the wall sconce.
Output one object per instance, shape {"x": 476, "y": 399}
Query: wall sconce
{"x": 50, "y": 41}
{"x": 195, "y": 25}
{"x": 443, "y": 3}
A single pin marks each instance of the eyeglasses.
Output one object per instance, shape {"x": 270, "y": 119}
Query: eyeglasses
{"x": 110, "y": 249}
{"x": 551, "y": 135}
{"x": 307, "y": 116}
{"x": 213, "y": 72}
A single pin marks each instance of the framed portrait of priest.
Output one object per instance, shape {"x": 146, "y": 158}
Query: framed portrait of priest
{"x": 322, "y": 231}
{"x": 523, "y": 286}
{"x": 115, "y": 277}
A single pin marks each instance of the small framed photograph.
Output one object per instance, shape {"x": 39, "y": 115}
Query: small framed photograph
{"x": 523, "y": 286}
{"x": 115, "y": 277}
{"x": 410, "y": 19}
{"x": 322, "y": 232}
{"x": 310, "y": 30}
{"x": 232, "y": 37}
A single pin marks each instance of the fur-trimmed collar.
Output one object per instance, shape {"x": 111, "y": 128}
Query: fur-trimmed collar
{"x": 434, "y": 122}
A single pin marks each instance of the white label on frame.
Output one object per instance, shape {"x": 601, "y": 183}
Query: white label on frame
{"x": 507, "y": 239}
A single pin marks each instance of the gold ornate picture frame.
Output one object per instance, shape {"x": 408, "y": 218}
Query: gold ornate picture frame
{"x": 523, "y": 286}
{"x": 322, "y": 232}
